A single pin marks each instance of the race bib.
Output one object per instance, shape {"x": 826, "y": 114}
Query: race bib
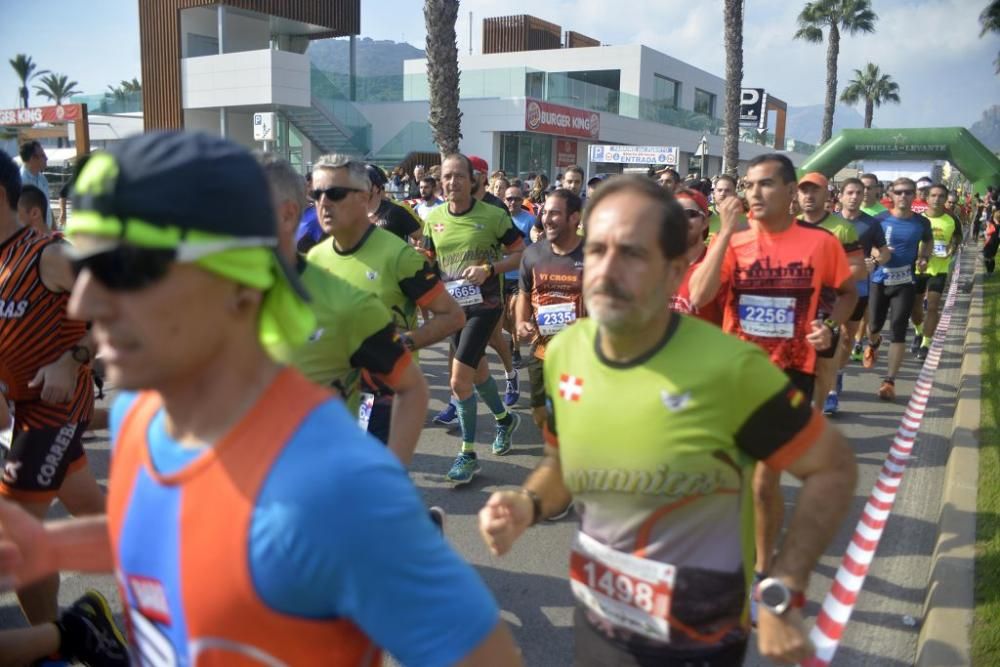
{"x": 464, "y": 292}
{"x": 365, "y": 410}
{"x": 940, "y": 249}
{"x": 555, "y": 317}
{"x": 767, "y": 316}
{"x": 900, "y": 275}
{"x": 627, "y": 591}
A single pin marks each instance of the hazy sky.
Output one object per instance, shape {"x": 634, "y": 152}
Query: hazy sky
{"x": 931, "y": 48}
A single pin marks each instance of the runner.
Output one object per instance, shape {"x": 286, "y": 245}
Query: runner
{"x": 947, "y": 231}
{"x": 524, "y": 222}
{"x": 375, "y": 260}
{"x": 283, "y": 535}
{"x": 468, "y": 238}
{"x": 45, "y": 377}
{"x": 385, "y": 213}
{"x": 428, "y": 197}
{"x": 910, "y": 238}
{"x": 771, "y": 276}
{"x": 920, "y": 204}
{"x": 871, "y": 204}
{"x": 813, "y": 198}
{"x": 660, "y": 566}
{"x": 875, "y": 252}
{"x": 696, "y": 209}
{"x": 551, "y": 293}
{"x": 725, "y": 187}
{"x": 355, "y": 333}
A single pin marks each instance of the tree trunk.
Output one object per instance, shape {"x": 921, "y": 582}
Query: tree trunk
{"x": 869, "y": 112}
{"x": 442, "y": 73}
{"x": 24, "y": 96}
{"x": 832, "y": 53}
{"x": 734, "y": 82}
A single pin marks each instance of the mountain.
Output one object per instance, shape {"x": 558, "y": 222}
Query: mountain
{"x": 806, "y": 123}
{"x": 987, "y": 128}
{"x": 375, "y": 57}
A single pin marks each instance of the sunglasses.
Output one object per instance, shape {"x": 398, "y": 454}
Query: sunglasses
{"x": 904, "y": 193}
{"x": 513, "y": 198}
{"x": 335, "y": 193}
{"x": 693, "y": 213}
{"x": 129, "y": 268}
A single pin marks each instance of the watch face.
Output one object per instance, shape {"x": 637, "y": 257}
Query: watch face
{"x": 773, "y": 595}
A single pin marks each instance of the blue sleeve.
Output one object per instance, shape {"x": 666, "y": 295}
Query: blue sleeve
{"x": 309, "y": 226}
{"x": 340, "y": 531}
{"x": 121, "y": 406}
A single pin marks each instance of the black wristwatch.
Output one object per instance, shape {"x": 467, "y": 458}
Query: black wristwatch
{"x": 832, "y": 325}
{"x": 407, "y": 342}
{"x": 536, "y": 505}
{"x": 81, "y": 354}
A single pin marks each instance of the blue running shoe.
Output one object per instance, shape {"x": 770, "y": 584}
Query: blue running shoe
{"x": 505, "y": 429}
{"x": 447, "y": 416}
{"x": 832, "y": 404}
{"x": 513, "y": 390}
{"x": 464, "y": 468}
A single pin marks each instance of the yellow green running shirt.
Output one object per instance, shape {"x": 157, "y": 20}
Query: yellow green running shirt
{"x": 658, "y": 455}
{"x": 472, "y": 238}
{"x": 943, "y": 228}
{"x": 354, "y": 332}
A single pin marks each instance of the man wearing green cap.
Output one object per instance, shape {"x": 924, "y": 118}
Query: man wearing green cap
{"x": 248, "y": 517}
{"x": 355, "y": 332}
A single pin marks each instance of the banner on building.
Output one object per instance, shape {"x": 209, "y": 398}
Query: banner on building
{"x": 565, "y": 152}
{"x": 559, "y": 120}
{"x": 62, "y": 113}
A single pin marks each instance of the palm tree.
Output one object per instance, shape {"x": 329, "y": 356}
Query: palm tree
{"x": 873, "y": 87}
{"x": 57, "y": 88}
{"x": 850, "y": 16}
{"x": 733, "y": 13}
{"x": 990, "y": 20}
{"x": 442, "y": 73}
{"x": 25, "y": 69}
{"x": 133, "y": 86}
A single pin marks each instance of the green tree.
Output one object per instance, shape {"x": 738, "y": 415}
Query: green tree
{"x": 733, "y": 16}
{"x": 442, "y": 73}
{"x": 833, "y": 17}
{"x": 133, "y": 86}
{"x": 57, "y": 88}
{"x": 871, "y": 86}
{"x": 990, "y": 21}
{"x": 26, "y": 70}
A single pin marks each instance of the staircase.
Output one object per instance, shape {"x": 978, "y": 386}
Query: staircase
{"x": 331, "y": 122}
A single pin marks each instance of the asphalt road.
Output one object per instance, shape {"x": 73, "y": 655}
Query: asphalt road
{"x": 531, "y": 585}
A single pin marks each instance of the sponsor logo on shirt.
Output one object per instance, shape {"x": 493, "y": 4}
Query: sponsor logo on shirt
{"x": 675, "y": 402}
{"x": 371, "y": 275}
{"x": 150, "y": 598}
{"x": 570, "y": 387}
{"x": 13, "y": 310}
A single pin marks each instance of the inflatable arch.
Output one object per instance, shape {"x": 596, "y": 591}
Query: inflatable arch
{"x": 954, "y": 144}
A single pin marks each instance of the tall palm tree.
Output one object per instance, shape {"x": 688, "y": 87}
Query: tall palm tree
{"x": 871, "y": 86}
{"x": 733, "y": 14}
{"x": 26, "y": 71}
{"x": 990, "y": 20}
{"x": 442, "y": 73}
{"x": 834, "y": 16}
{"x": 57, "y": 88}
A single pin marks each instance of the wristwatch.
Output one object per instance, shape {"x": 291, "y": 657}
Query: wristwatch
{"x": 777, "y": 598}
{"x": 81, "y": 354}
{"x": 536, "y": 505}
{"x": 407, "y": 341}
{"x": 832, "y": 325}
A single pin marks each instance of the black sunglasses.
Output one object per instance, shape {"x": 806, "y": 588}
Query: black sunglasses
{"x": 127, "y": 267}
{"x": 693, "y": 213}
{"x": 904, "y": 193}
{"x": 335, "y": 193}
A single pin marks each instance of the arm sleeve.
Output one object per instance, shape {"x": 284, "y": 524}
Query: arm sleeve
{"x": 341, "y": 532}
{"x": 383, "y": 356}
{"x": 417, "y": 278}
{"x": 777, "y": 422}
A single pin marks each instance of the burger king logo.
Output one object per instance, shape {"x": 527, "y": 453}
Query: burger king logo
{"x": 534, "y": 115}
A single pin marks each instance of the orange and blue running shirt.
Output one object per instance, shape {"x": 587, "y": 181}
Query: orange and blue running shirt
{"x": 35, "y": 331}
{"x": 774, "y": 282}
{"x": 296, "y": 537}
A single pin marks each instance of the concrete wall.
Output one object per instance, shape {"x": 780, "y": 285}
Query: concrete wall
{"x": 246, "y": 33}
{"x": 246, "y": 78}
{"x": 198, "y": 21}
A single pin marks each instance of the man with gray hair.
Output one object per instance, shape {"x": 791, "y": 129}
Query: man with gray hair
{"x": 355, "y": 332}
{"x": 377, "y": 261}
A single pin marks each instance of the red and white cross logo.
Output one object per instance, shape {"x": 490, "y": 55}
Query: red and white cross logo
{"x": 570, "y": 387}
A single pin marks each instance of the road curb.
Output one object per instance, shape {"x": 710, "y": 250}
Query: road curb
{"x": 945, "y": 635}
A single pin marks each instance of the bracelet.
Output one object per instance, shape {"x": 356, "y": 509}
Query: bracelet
{"x": 831, "y": 325}
{"x": 536, "y": 505}
{"x": 491, "y": 269}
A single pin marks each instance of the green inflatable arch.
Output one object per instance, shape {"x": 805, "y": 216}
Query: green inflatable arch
{"x": 954, "y": 144}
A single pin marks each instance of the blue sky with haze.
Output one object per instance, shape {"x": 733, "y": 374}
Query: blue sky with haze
{"x": 931, "y": 48}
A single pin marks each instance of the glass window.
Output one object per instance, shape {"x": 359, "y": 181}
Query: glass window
{"x": 666, "y": 91}
{"x": 535, "y": 85}
{"x": 704, "y": 103}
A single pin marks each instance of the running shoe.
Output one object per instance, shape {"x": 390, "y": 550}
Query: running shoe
{"x": 857, "y": 353}
{"x": 918, "y": 340}
{"x": 513, "y": 390}
{"x": 437, "y": 515}
{"x": 831, "y": 404}
{"x": 887, "y": 392}
{"x": 447, "y": 416}
{"x": 88, "y": 633}
{"x": 922, "y": 353}
{"x": 505, "y": 429}
{"x": 871, "y": 356}
{"x": 464, "y": 468}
